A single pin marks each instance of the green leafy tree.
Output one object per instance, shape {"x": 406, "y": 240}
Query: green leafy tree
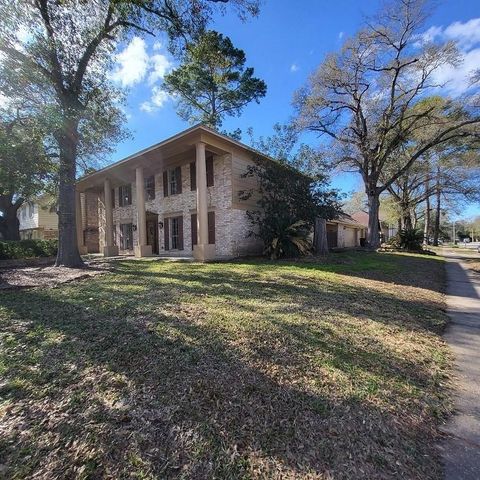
{"x": 26, "y": 167}
{"x": 288, "y": 204}
{"x": 212, "y": 81}
{"x": 65, "y": 59}
{"x": 367, "y": 99}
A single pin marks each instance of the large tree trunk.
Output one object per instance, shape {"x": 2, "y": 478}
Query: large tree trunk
{"x": 373, "y": 234}
{"x": 68, "y": 255}
{"x": 9, "y": 224}
{"x": 320, "y": 243}
{"x": 436, "y": 227}
{"x": 426, "y": 230}
{"x": 407, "y": 220}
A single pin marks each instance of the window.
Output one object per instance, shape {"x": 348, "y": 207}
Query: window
{"x": 125, "y": 195}
{"x": 150, "y": 188}
{"x": 126, "y": 236}
{"x": 172, "y": 181}
{"x": 209, "y": 171}
{"x": 31, "y": 209}
{"x": 210, "y": 175}
{"x": 173, "y": 228}
{"x": 24, "y": 212}
{"x": 211, "y": 228}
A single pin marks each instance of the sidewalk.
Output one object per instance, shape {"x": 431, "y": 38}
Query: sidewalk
{"x": 461, "y": 450}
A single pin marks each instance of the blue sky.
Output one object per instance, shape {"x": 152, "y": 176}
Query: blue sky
{"x": 284, "y": 44}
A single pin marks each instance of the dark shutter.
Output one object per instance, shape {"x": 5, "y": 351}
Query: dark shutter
{"x": 211, "y": 227}
{"x": 210, "y": 176}
{"x": 165, "y": 183}
{"x": 194, "y": 229}
{"x": 113, "y": 198}
{"x": 193, "y": 176}
{"x": 180, "y": 233}
{"x": 178, "y": 179}
{"x": 166, "y": 231}
{"x": 129, "y": 194}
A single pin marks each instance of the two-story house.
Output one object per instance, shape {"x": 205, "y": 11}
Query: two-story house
{"x": 179, "y": 197}
{"x": 37, "y": 219}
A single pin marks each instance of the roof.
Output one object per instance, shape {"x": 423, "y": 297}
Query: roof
{"x": 360, "y": 217}
{"x": 194, "y": 129}
{"x": 346, "y": 219}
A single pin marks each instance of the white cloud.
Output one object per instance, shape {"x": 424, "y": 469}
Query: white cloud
{"x": 466, "y": 35}
{"x": 158, "y": 100}
{"x": 160, "y": 66}
{"x": 134, "y": 65}
{"x": 457, "y": 79}
{"x": 294, "y": 67}
{"x": 132, "y": 62}
{"x": 340, "y": 35}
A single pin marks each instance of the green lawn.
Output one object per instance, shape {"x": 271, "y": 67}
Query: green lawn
{"x": 248, "y": 369}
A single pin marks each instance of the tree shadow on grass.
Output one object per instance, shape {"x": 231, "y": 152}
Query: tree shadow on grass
{"x": 420, "y": 271}
{"x": 147, "y": 383}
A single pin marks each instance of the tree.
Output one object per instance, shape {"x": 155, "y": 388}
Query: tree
{"x": 25, "y": 167}
{"x": 212, "y": 81}
{"x": 67, "y": 55}
{"x": 284, "y": 145}
{"x": 288, "y": 204}
{"x": 367, "y": 99}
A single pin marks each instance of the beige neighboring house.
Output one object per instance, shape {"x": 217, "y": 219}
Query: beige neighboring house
{"x": 179, "y": 197}
{"x": 345, "y": 232}
{"x": 387, "y": 230}
{"x": 37, "y": 219}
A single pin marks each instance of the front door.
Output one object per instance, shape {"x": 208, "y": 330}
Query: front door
{"x": 152, "y": 235}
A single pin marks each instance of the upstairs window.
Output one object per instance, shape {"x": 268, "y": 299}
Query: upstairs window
{"x": 125, "y": 195}
{"x": 150, "y": 188}
{"x": 209, "y": 171}
{"x": 172, "y": 181}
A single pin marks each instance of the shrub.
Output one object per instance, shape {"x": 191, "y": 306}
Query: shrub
{"x": 407, "y": 239}
{"x": 291, "y": 241}
{"x": 27, "y": 249}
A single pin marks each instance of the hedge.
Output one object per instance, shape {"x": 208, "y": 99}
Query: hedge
{"x": 27, "y": 249}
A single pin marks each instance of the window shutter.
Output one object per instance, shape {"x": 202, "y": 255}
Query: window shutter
{"x": 178, "y": 178}
{"x": 180, "y": 233}
{"x": 166, "y": 231}
{"x": 129, "y": 194}
{"x": 193, "y": 176}
{"x": 165, "y": 183}
{"x": 210, "y": 176}
{"x": 113, "y": 198}
{"x": 194, "y": 229}
{"x": 211, "y": 227}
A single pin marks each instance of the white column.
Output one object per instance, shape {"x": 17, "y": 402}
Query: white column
{"x": 82, "y": 249}
{"x": 110, "y": 250}
{"x": 202, "y": 251}
{"x": 141, "y": 249}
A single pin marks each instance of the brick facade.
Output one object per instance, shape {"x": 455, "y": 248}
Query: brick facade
{"x": 231, "y": 224}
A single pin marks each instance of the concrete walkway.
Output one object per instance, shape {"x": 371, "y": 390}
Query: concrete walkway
{"x": 461, "y": 450}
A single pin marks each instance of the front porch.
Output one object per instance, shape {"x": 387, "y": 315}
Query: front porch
{"x": 150, "y": 197}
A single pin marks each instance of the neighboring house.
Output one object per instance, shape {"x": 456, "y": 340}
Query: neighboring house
{"x": 387, "y": 230}
{"x": 345, "y": 232}
{"x": 179, "y": 197}
{"x": 38, "y": 219}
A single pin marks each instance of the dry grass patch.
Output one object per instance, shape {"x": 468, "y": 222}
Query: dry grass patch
{"x": 228, "y": 370}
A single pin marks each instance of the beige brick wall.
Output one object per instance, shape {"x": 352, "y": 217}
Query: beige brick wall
{"x": 231, "y": 225}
